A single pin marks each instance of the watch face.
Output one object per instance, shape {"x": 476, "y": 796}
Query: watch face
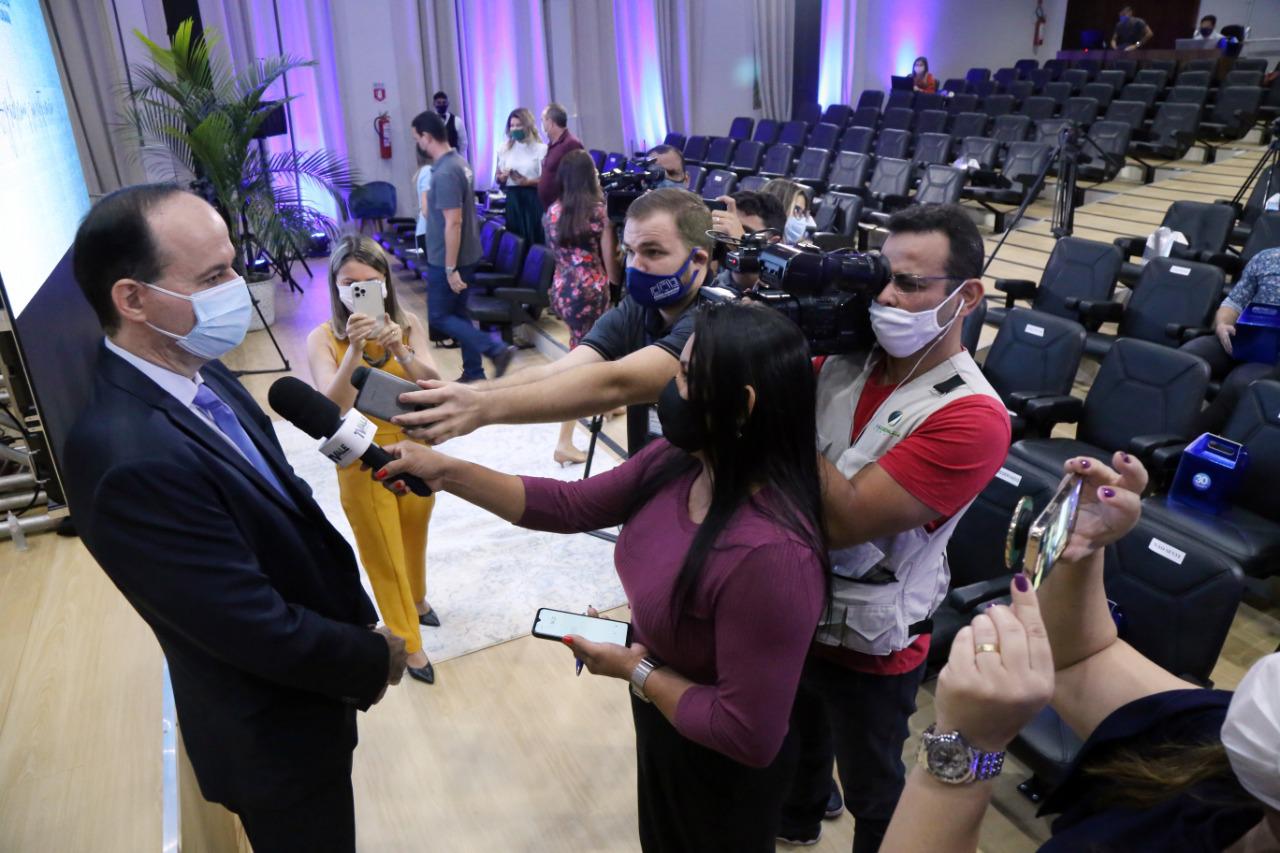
{"x": 949, "y": 760}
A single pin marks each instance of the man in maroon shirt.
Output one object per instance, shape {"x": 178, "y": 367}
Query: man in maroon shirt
{"x": 555, "y": 123}
{"x": 913, "y": 433}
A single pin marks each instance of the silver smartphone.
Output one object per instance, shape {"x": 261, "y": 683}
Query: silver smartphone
{"x": 1035, "y": 545}
{"x": 366, "y": 296}
{"x": 378, "y": 393}
{"x": 551, "y": 624}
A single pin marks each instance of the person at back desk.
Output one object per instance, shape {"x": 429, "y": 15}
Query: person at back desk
{"x": 1131, "y": 33}
{"x": 921, "y": 79}
{"x": 1260, "y": 282}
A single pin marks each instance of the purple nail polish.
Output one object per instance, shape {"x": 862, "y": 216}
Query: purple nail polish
{"x": 1108, "y": 492}
{"x": 1020, "y": 581}
{"x": 1085, "y": 463}
{"x": 1126, "y": 458}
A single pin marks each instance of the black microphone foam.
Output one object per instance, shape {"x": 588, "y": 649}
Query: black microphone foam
{"x": 304, "y": 407}
{"x": 359, "y": 376}
{"x": 319, "y": 417}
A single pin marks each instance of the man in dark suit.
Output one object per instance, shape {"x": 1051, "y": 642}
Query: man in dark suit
{"x": 182, "y": 494}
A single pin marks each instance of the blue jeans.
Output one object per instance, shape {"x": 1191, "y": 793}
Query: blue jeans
{"x": 447, "y": 314}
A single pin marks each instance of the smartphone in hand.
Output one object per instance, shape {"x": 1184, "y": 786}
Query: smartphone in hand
{"x": 551, "y": 624}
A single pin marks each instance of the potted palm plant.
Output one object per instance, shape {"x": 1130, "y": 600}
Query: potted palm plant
{"x": 202, "y": 119}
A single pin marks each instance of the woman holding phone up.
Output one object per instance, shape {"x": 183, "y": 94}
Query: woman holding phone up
{"x": 390, "y": 528}
{"x": 723, "y": 560}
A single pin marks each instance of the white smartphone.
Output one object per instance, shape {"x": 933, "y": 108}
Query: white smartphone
{"x": 367, "y": 298}
{"x": 556, "y": 624}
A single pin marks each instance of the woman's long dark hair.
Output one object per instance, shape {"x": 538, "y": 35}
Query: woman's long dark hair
{"x": 580, "y": 196}
{"x": 771, "y": 448}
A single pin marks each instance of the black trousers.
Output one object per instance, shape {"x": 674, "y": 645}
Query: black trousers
{"x": 860, "y": 720}
{"x": 1235, "y": 376}
{"x": 693, "y": 799}
{"x": 324, "y": 821}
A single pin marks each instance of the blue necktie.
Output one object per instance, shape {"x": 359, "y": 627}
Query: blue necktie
{"x": 212, "y": 405}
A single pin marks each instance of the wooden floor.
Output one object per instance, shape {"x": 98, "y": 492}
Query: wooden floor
{"x": 507, "y": 751}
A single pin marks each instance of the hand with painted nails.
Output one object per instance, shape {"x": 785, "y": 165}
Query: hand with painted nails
{"x": 1000, "y": 672}
{"x": 1110, "y": 503}
{"x": 419, "y": 460}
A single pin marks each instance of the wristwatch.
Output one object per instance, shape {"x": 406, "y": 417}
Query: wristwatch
{"x": 951, "y": 759}
{"x": 640, "y": 675}
{"x": 450, "y": 270}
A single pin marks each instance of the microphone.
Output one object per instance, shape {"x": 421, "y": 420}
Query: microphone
{"x": 342, "y": 439}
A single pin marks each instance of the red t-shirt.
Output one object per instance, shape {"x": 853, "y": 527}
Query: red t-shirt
{"x": 944, "y": 463}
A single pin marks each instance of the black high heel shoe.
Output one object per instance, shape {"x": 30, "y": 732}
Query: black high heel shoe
{"x": 423, "y": 673}
{"x": 430, "y": 619}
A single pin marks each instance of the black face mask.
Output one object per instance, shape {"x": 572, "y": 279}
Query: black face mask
{"x": 682, "y": 423}
{"x": 442, "y": 109}
{"x": 1206, "y": 31}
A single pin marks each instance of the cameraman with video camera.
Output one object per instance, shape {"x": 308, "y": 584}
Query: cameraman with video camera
{"x": 915, "y": 432}
{"x": 747, "y": 215}
{"x": 627, "y": 358}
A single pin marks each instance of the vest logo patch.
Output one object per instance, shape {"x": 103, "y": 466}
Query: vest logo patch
{"x": 894, "y": 418}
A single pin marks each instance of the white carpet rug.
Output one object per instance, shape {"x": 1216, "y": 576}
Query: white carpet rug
{"x": 485, "y": 577}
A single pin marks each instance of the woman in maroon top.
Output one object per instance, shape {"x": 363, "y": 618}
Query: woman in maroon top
{"x": 723, "y": 561}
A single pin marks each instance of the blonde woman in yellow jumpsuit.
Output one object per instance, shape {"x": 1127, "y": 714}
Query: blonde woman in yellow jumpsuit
{"x": 390, "y": 528}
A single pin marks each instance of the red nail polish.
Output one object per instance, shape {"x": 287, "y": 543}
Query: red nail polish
{"x": 1020, "y": 581}
{"x": 381, "y": 475}
{"x": 568, "y": 641}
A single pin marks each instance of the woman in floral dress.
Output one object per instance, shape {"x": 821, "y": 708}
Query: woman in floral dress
{"x": 586, "y": 255}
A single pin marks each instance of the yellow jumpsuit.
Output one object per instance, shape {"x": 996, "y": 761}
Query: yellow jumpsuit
{"x": 391, "y": 532}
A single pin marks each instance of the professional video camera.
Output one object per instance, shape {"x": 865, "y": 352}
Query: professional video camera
{"x": 742, "y": 254}
{"x": 626, "y": 184}
{"x": 827, "y": 294}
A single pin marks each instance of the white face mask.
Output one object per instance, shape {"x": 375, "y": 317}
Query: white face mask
{"x": 796, "y": 228}
{"x": 903, "y": 332}
{"x": 1251, "y": 731}
{"x": 345, "y": 297}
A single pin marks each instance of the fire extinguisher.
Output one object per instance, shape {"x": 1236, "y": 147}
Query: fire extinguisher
{"x": 382, "y": 126}
{"x": 1038, "y": 39}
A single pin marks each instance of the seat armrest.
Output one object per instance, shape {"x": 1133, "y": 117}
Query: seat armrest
{"x": 1143, "y": 446}
{"x": 520, "y": 295}
{"x": 966, "y": 598}
{"x": 1016, "y": 288}
{"x": 1163, "y": 462}
{"x": 1182, "y": 334}
{"x": 1230, "y": 264}
{"x": 494, "y": 279}
{"x": 1095, "y": 312}
{"x": 1018, "y": 400}
{"x": 1044, "y": 412}
{"x": 1130, "y": 246}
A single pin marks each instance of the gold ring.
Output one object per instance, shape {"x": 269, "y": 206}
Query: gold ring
{"x": 988, "y": 647}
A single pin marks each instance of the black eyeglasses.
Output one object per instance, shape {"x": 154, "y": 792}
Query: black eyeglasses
{"x": 907, "y": 283}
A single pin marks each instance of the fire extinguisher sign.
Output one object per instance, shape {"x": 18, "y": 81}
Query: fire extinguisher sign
{"x": 379, "y": 91}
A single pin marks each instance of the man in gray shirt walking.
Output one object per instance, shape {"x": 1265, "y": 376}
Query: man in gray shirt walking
{"x": 453, "y": 249}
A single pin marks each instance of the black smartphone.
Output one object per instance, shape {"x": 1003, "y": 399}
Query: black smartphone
{"x": 715, "y": 204}
{"x": 551, "y": 624}
{"x": 378, "y": 393}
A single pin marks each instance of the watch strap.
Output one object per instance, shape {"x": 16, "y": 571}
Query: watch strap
{"x": 641, "y": 674}
{"x": 983, "y": 765}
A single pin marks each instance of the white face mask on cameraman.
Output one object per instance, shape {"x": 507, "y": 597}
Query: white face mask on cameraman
{"x": 903, "y": 332}
{"x": 797, "y": 227}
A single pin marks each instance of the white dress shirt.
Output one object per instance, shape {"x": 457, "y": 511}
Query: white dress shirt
{"x": 524, "y": 157}
{"x": 178, "y": 386}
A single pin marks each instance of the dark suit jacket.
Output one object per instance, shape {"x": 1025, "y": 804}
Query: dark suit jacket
{"x": 255, "y": 598}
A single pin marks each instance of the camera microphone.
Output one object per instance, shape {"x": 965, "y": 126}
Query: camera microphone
{"x": 342, "y": 439}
